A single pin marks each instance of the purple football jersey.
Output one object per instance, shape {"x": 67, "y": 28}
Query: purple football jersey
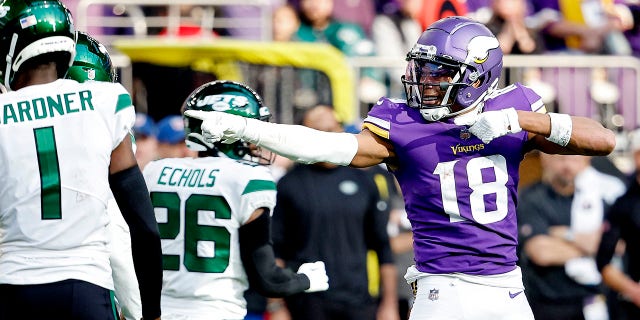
{"x": 460, "y": 193}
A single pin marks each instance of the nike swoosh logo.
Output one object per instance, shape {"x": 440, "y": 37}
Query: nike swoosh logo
{"x": 513, "y": 295}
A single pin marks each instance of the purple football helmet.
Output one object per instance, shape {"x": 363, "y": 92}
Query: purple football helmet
{"x": 455, "y": 63}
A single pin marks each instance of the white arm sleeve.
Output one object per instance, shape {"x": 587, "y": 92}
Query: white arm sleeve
{"x": 124, "y": 276}
{"x": 302, "y": 144}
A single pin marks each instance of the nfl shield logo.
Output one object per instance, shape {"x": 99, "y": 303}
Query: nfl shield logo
{"x": 434, "y": 294}
{"x": 465, "y": 134}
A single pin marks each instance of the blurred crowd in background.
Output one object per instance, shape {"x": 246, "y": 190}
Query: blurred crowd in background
{"x": 384, "y": 30}
{"x": 365, "y": 27}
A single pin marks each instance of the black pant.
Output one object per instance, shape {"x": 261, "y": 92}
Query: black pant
{"x": 64, "y": 300}
{"x": 556, "y": 311}
{"x": 403, "y": 308}
{"x": 627, "y": 311}
{"x": 312, "y": 306}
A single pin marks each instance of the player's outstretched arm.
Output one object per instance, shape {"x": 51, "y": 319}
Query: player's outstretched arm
{"x": 264, "y": 275}
{"x": 298, "y": 143}
{"x": 132, "y": 196}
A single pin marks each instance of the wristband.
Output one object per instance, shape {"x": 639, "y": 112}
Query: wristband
{"x": 561, "y": 127}
{"x": 513, "y": 124}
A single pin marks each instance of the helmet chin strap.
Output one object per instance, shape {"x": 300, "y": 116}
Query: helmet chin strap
{"x": 471, "y": 113}
{"x": 434, "y": 114}
{"x": 201, "y": 145}
{"x": 9, "y": 61}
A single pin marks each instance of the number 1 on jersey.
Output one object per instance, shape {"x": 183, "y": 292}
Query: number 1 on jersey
{"x": 50, "y": 199}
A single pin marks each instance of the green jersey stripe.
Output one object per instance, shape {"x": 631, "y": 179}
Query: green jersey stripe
{"x": 259, "y": 185}
{"x": 124, "y": 101}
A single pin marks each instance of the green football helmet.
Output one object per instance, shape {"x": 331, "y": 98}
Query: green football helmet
{"x": 92, "y": 61}
{"x": 229, "y": 97}
{"x": 30, "y": 29}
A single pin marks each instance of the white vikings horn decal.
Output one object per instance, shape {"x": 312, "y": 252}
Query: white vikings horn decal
{"x": 478, "y": 48}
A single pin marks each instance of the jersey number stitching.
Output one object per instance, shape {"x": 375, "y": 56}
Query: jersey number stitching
{"x": 194, "y": 233}
{"x": 479, "y": 188}
{"x": 49, "y": 167}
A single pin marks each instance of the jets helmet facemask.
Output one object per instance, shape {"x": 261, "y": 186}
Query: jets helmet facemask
{"x": 33, "y": 32}
{"x": 233, "y": 98}
{"x": 92, "y": 61}
{"x": 454, "y": 64}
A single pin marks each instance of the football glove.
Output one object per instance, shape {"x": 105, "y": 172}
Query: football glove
{"x": 318, "y": 279}
{"x": 219, "y": 126}
{"x": 492, "y": 124}
{"x": 583, "y": 270}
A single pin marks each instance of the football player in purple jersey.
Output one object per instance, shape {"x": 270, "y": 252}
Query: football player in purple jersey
{"x": 455, "y": 145}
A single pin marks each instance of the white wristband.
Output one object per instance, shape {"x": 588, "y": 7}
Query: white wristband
{"x": 513, "y": 124}
{"x": 561, "y": 127}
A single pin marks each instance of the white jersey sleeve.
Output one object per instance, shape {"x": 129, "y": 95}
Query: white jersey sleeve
{"x": 125, "y": 281}
{"x": 56, "y": 141}
{"x": 200, "y": 203}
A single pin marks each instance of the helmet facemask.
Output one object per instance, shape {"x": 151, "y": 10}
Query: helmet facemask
{"x": 242, "y": 150}
{"x": 431, "y": 85}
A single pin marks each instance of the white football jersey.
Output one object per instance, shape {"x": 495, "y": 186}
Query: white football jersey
{"x": 200, "y": 203}
{"x": 56, "y": 141}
